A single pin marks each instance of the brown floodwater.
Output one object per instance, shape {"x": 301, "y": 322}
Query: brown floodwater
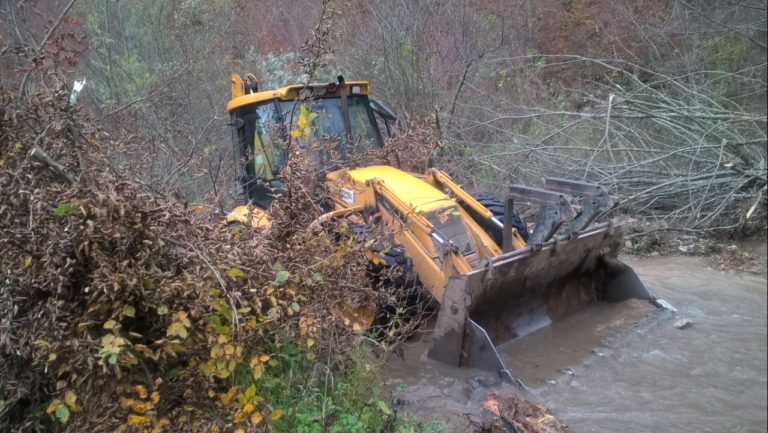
{"x": 624, "y": 367}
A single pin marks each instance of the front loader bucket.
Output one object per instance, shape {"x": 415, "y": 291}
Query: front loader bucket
{"x": 525, "y": 290}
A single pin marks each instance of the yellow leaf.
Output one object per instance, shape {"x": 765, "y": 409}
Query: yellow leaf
{"x": 256, "y": 418}
{"x": 258, "y": 371}
{"x": 137, "y": 420}
{"x": 215, "y": 351}
{"x": 125, "y": 403}
{"x": 276, "y": 414}
{"x": 27, "y": 261}
{"x": 227, "y": 398}
{"x": 52, "y": 406}
{"x": 264, "y": 358}
{"x": 141, "y": 391}
{"x": 229, "y": 349}
{"x": 70, "y": 398}
{"x": 109, "y": 324}
{"x": 238, "y": 416}
{"x": 239, "y": 431}
{"x": 295, "y": 133}
{"x": 310, "y": 342}
{"x": 176, "y": 329}
{"x": 235, "y": 273}
{"x": 182, "y": 317}
{"x": 248, "y": 408}
{"x": 154, "y": 397}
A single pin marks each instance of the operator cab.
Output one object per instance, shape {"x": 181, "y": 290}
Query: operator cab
{"x": 265, "y": 121}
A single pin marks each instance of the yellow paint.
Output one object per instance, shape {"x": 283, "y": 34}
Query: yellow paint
{"x": 258, "y": 218}
{"x": 440, "y": 178}
{"x": 287, "y": 93}
{"x": 237, "y": 86}
{"x": 419, "y": 195}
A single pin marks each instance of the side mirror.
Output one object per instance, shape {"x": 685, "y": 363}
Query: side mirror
{"x": 382, "y": 110}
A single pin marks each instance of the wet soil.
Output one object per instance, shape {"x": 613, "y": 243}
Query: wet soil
{"x": 623, "y": 367}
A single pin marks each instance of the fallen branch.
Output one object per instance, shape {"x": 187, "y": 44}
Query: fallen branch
{"x": 39, "y": 155}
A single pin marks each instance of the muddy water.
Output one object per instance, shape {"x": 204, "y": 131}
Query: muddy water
{"x": 625, "y": 367}
{"x": 708, "y": 378}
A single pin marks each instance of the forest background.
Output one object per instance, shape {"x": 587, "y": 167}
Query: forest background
{"x": 126, "y": 306}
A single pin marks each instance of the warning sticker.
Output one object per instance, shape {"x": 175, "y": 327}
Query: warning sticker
{"x": 348, "y": 195}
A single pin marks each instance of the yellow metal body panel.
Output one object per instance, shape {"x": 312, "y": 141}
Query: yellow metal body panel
{"x": 413, "y": 197}
{"x": 419, "y": 195}
{"x": 256, "y": 217}
{"x": 237, "y": 86}
{"x": 287, "y": 93}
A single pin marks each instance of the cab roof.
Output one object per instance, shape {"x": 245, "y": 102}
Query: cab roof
{"x": 240, "y": 97}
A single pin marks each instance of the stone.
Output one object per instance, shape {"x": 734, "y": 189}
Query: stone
{"x": 683, "y": 323}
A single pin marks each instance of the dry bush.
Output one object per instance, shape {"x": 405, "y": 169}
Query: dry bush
{"x": 122, "y": 311}
{"x": 412, "y": 148}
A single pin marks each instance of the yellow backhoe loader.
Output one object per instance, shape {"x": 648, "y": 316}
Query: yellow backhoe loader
{"x": 494, "y": 280}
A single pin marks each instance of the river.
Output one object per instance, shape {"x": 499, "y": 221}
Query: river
{"x": 626, "y": 367}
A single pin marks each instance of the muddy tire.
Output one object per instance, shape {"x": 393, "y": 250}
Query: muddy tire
{"x": 406, "y": 299}
{"x": 496, "y": 206}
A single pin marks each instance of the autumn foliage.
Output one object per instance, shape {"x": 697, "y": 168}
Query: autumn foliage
{"x": 123, "y": 311}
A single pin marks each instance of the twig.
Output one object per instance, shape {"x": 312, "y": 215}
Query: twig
{"x": 42, "y": 43}
{"x": 145, "y": 97}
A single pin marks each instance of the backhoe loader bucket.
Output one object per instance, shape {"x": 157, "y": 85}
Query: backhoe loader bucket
{"x": 524, "y": 290}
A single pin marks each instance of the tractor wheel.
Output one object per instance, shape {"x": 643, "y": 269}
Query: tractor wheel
{"x": 496, "y": 206}
{"x": 405, "y": 298}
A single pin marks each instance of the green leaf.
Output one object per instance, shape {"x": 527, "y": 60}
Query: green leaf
{"x": 129, "y": 311}
{"x": 295, "y": 307}
{"x": 162, "y": 310}
{"x": 383, "y": 407}
{"x": 317, "y": 277}
{"x": 62, "y": 413}
{"x": 282, "y": 277}
{"x": 63, "y": 210}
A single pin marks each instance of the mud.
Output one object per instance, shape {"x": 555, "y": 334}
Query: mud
{"x": 624, "y": 367}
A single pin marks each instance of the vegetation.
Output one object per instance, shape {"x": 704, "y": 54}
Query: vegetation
{"x": 128, "y": 307}
{"x": 127, "y": 312}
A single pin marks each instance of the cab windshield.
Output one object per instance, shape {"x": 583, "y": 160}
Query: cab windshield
{"x": 262, "y": 129}
{"x": 329, "y": 123}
